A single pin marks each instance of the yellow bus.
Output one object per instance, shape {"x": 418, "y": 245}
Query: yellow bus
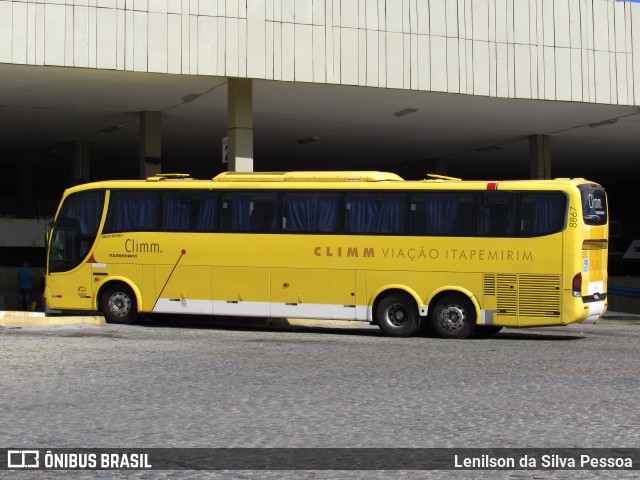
{"x": 460, "y": 257}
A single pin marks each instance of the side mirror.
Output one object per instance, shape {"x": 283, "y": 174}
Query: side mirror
{"x": 47, "y": 231}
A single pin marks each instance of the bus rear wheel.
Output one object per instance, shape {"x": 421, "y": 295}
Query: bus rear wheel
{"x": 454, "y": 317}
{"x": 118, "y": 304}
{"x": 397, "y": 315}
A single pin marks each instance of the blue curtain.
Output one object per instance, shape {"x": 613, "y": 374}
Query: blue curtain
{"x": 238, "y": 213}
{"x": 370, "y": 213}
{"x": 361, "y": 214}
{"x": 549, "y": 212}
{"x": 86, "y": 209}
{"x": 176, "y": 211}
{"x": 133, "y": 211}
{"x": 391, "y": 215}
{"x": 441, "y": 212}
{"x": 208, "y": 213}
{"x": 189, "y": 211}
{"x": 75, "y": 229}
{"x": 311, "y": 212}
{"x": 497, "y": 218}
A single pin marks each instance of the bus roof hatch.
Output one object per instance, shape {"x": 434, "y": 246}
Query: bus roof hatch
{"x": 159, "y": 177}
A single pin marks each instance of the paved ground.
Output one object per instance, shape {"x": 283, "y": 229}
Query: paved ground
{"x": 207, "y": 385}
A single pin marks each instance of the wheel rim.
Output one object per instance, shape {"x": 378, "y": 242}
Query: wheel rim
{"x": 397, "y": 315}
{"x": 120, "y": 304}
{"x": 453, "y": 318}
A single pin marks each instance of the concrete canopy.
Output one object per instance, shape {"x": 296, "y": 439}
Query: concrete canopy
{"x": 43, "y": 110}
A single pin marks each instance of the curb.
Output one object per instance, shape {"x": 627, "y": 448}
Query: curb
{"x": 620, "y": 318}
{"x": 308, "y": 322}
{"x": 39, "y": 318}
{"x": 613, "y": 315}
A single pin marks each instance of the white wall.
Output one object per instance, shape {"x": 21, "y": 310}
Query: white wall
{"x": 18, "y": 232}
{"x": 574, "y": 50}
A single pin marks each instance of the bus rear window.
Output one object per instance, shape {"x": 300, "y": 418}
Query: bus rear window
{"x": 594, "y": 204}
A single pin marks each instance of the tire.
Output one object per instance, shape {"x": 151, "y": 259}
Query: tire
{"x": 454, "y": 317}
{"x": 486, "y": 331}
{"x": 118, "y": 304}
{"x": 397, "y": 315}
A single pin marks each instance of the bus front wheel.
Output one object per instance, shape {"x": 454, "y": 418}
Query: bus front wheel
{"x": 397, "y": 315}
{"x": 454, "y": 317}
{"x": 118, "y": 304}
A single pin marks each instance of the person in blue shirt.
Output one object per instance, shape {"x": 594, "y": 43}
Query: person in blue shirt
{"x": 25, "y": 284}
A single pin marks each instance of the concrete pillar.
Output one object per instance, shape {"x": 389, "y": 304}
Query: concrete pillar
{"x": 540, "y": 156}
{"x": 240, "y": 124}
{"x": 26, "y": 198}
{"x": 150, "y": 143}
{"x": 81, "y": 157}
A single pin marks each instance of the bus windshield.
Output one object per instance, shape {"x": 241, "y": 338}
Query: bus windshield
{"x": 594, "y": 204}
{"x": 74, "y": 230}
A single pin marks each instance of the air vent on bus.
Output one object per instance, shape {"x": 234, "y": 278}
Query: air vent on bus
{"x": 524, "y": 295}
{"x": 539, "y": 295}
{"x": 507, "y": 295}
{"x": 489, "y": 284}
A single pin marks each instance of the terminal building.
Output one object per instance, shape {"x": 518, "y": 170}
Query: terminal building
{"x": 488, "y": 89}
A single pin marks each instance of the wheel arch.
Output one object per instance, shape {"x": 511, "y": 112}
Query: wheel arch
{"x": 113, "y": 280}
{"x": 436, "y": 295}
{"x": 390, "y": 290}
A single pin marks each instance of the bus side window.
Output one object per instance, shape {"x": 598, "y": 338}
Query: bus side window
{"x": 441, "y": 213}
{"x": 249, "y": 212}
{"x": 263, "y": 215}
{"x": 417, "y": 216}
{"x": 543, "y": 213}
{"x": 236, "y": 210}
{"x": 497, "y": 214}
{"x": 131, "y": 210}
{"x": 311, "y": 212}
{"x": 176, "y": 211}
{"x": 375, "y": 213}
{"x": 206, "y": 219}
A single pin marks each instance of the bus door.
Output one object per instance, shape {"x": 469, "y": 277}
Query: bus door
{"x": 70, "y": 280}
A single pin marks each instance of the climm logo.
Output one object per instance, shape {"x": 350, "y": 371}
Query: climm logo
{"x": 344, "y": 252}
{"x": 131, "y": 245}
{"x": 594, "y": 203}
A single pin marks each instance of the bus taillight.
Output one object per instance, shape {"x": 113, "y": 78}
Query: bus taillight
{"x": 576, "y": 285}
